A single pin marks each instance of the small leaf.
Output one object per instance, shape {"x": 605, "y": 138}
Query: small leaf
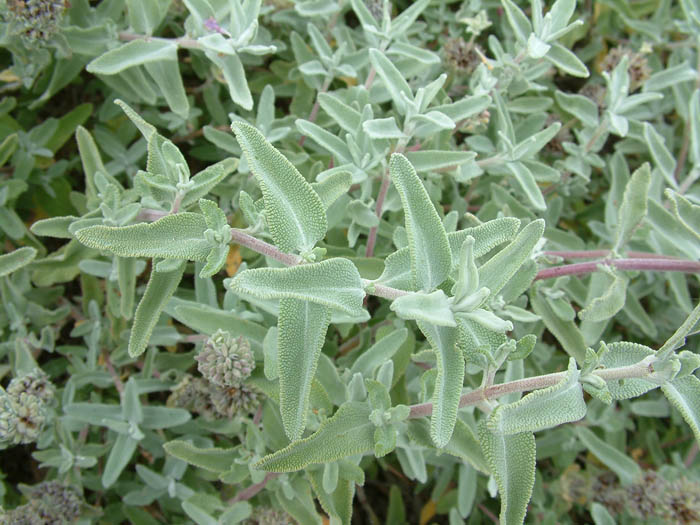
{"x": 383, "y": 128}
{"x": 335, "y": 283}
{"x": 684, "y": 394}
{"x": 633, "y": 208}
{"x": 347, "y": 433}
{"x": 660, "y": 153}
{"x": 432, "y": 308}
{"x": 301, "y": 332}
{"x": 430, "y": 160}
{"x": 526, "y": 182}
{"x": 131, "y": 54}
{"x": 16, "y": 259}
{"x": 686, "y": 213}
{"x": 567, "y": 61}
{"x": 542, "y": 409}
{"x": 161, "y": 286}
{"x": 600, "y": 515}
{"x": 119, "y": 457}
{"x": 295, "y": 214}
{"x": 626, "y": 469}
{"x": 166, "y": 75}
{"x": 517, "y": 20}
{"x": 428, "y": 246}
{"x": 566, "y": 331}
{"x": 511, "y": 460}
{"x": 607, "y": 305}
{"x": 212, "y": 459}
{"x": 393, "y": 79}
{"x": 179, "y": 236}
{"x": 379, "y": 353}
{"x": 581, "y": 107}
{"x": 234, "y": 74}
{"x": 449, "y": 382}
{"x": 624, "y": 353}
{"x": 347, "y": 117}
{"x": 497, "y": 271}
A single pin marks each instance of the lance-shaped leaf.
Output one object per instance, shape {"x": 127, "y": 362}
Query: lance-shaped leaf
{"x": 448, "y": 385}
{"x": 626, "y": 469}
{"x": 379, "y": 353}
{"x": 335, "y": 283}
{"x": 463, "y": 444}
{"x": 394, "y": 81}
{"x": 428, "y": 246}
{"x": 179, "y": 236}
{"x": 607, "y": 305}
{"x": 347, "y": 433}
{"x": 624, "y": 354}
{"x": 338, "y": 502}
{"x": 214, "y": 459}
{"x": 295, "y": 214}
{"x": 684, "y": 394}
{"x": 432, "y": 308}
{"x": 567, "y": 332}
{"x": 541, "y": 409}
{"x": 131, "y": 54}
{"x": 525, "y": 180}
{"x": 301, "y": 332}
{"x": 13, "y": 261}
{"x": 688, "y": 214}
{"x": 497, "y": 271}
{"x": 160, "y": 288}
{"x": 119, "y": 457}
{"x": 332, "y": 187}
{"x": 634, "y": 205}
{"x": 511, "y": 460}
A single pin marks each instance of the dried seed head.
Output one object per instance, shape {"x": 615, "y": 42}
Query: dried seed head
{"x": 50, "y": 503}
{"x": 231, "y": 401}
{"x": 596, "y": 92}
{"x": 459, "y": 56}
{"x": 36, "y": 20}
{"x": 269, "y": 516}
{"x": 226, "y": 361}
{"x": 35, "y": 383}
{"x": 8, "y": 418}
{"x": 30, "y": 416}
{"x": 638, "y": 66}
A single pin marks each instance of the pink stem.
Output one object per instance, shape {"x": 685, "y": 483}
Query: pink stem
{"x": 590, "y": 254}
{"x": 643, "y": 264}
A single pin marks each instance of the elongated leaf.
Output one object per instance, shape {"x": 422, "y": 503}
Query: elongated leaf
{"x": 607, "y": 305}
{"x": 335, "y": 283}
{"x": 301, "y": 333}
{"x": 448, "y": 385}
{"x": 325, "y": 139}
{"x": 212, "y": 459}
{"x": 394, "y": 81}
{"x": 430, "y": 160}
{"x": 347, "y": 117}
{"x": 332, "y": 187}
{"x": 379, "y": 353}
{"x": 160, "y": 288}
{"x": 295, "y": 214}
{"x": 497, "y": 271}
{"x": 687, "y": 213}
{"x": 660, "y": 153}
{"x": 694, "y": 118}
{"x": 566, "y": 332}
{"x": 624, "y": 354}
{"x": 126, "y": 275}
{"x": 119, "y": 457}
{"x": 383, "y": 128}
{"x": 526, "y": 182}
{"x": 347, "y": 433}
{"x": 581, "y": 107}
{"x": 684, "y": 394}
{"x": 13, "y": 261}
{"x": 567, "y": 61}
{"x": 541, "y": 409}
{"x": 164, "y": 417}
{"x": 166, "y": 74}
{"x": 517, "y": 20}
{"x": 626, "y": 469}
{"x": 179, "y": 236}
{"x": 234, "y": 74}
{"x": 428, "y": 246}
{"x": 511, "y": 460}
{"x": 431, "y": 308}
{"x": 634, "y": 205}
{"x": 131, "y": 54}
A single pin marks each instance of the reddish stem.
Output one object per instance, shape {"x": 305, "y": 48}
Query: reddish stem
{"x": 590, "y": 254}
{"x": 642, "y": 264}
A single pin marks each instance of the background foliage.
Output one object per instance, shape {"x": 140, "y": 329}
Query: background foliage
{"x": 349, "y": 262}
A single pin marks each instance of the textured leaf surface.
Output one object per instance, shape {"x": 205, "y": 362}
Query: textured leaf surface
{"x": 567, "y": 333}
{"x": 301, "y": 333}
{"x": 463, "y": 444}
{"x": 428, "y": 246}
{"x": 626, "y": 469}
{"x": 295, "y": 214}
{"x": 511, "y": 460}
{"x": 131, "y": 54}
{"x": 684, "y": 394}
{"x": 432, "y": 308}
{"x": 497, "y": 271}
{"x": 179, "y": 236}
{"x": 379, "y": 353}
{"x": 541, "y": 409}
{"x": 14, "y": 260}
{"x": 335, "y": 283}
{"x": 634, "y": 205}
{"x": 160, "y": 288}
{"x": 624, "y": 354}
{"x": 448, "y": 385}
{"x": 212, "y": 459}
{"x": 347, "y": 433}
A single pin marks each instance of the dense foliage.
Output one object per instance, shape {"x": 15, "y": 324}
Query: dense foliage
{"x": 349, "y": 262}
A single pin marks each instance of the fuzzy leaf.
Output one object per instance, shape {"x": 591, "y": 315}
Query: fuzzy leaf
{"x": 131, "y": 54}
{"x": 624, "y": 354}
{"x": 684, "y": 394}
{"x": 525, "y": 181}
{"x": 14, "y": 260}
{"x": 517, "y": 20}
{"x": 179, "y": 236}
{"x": 379, "y": 353}
{"x": 511, "y": 460}
{"x": 431, "y": 308}
{"x": 428, "y": 246}
{"x": 325, "y": 139}
{"x": 382, "y": 128}
{"x": 607, "y": 305}
{"x": 347, "y": 117}
{"x": 581, "y": 107}
{"x": 335, "y": 283}
{"x": 347, "y": 433}
{"x": 301, "y": 333}
{"x": 295, "y": 214}
{"x": 394, "y": 81}
{"x": 626, "y": 469}
{"x": 430, "y": 160}
{"x": 332, "y": 187}
{"x": 161, "y": 286}
{"x": 634, "y": 205}
{"x": 497, "y": 271}
{"x": 119, "y": 457}
{"x": 567, "y": 61}
{"x": 212, "y": 459}
{"x": 567, "y": 332}
{"x": 541, "y": 409}
{"x": 449, "y": 382}
{"x": 686, "y": 213}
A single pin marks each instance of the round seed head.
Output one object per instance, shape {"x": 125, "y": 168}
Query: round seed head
{"x": 225, "y": 361}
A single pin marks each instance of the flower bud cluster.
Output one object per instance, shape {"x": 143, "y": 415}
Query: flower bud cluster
{"x": 212, "y": 401}
{"x": 36, "y": 20}
{"x": 24, "y": 407}
{"x": 263, "y": 515}
{"x": 50, "y": 503}
{"x": 638, "y": 65}
{"x": 225, "y": 361}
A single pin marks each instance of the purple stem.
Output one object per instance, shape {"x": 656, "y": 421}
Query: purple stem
{"x": 643, "y": 264}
